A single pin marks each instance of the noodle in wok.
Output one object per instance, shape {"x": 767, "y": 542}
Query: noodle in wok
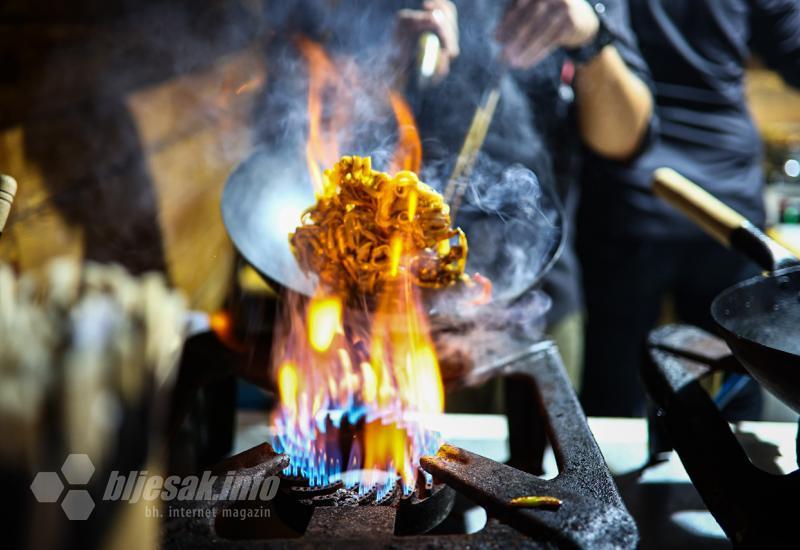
{"x": 350, "y": 236}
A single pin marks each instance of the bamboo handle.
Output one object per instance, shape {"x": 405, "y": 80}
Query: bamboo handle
{"x": 712, "y": 215}
{"x": 8, "y": 190}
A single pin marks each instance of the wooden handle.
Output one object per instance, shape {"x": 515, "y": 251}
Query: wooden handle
{"x": 427, "y": 58}
{"x": 8, "y": 190}
{"x": 715, "y": 217}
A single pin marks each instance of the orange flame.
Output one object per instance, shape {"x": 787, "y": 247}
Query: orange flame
{"x": 325, "y": 320}
{"x": 378, "y": 367}
{"x": 324, "y": 125}
{"x": 373, "y": 367}
{"x": 408, "y": 154}
{"x": 251, "y": 85}
{"x": 221, "y": 325}
{"x": 329, "y": 121}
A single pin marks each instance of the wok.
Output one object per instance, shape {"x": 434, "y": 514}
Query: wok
{"x": 759, "y": 318}
{"x": 266, "y": 194}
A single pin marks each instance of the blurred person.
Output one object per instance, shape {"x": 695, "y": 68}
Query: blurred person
{"x": 68, "y": 90}
{"x": 554, "y": 100}
{"x": 576, "y": 77}
{"x": 94, "y": 166}
{"x": 635, "y": 249}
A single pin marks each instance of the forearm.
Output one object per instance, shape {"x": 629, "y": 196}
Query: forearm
{"x": 614, "y": 106}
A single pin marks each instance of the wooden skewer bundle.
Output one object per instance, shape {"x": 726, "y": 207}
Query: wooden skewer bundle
{"x": 79, "y": 346}
{"x": 473, "y": 141}
{"x": 8, "y": 189}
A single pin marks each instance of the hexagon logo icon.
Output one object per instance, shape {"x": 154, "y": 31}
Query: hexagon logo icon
{"x": 77, "y": 469}
{"x": 47, "y": 487}
{"x": 78, "y": 504}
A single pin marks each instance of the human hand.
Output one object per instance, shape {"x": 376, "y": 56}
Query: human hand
{"x": 437, "y": 16}
{"x": 531, "y": 29}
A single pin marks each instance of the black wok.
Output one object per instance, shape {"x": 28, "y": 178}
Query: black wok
{"x": 759, "y": 318}
{"x": 266, "y": 194}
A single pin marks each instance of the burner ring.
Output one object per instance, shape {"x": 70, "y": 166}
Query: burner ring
{"x": 416, "y": 513}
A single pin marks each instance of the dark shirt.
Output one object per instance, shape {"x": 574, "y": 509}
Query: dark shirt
{"x": 534, "y": 124}
{"x": 696, "y": 51}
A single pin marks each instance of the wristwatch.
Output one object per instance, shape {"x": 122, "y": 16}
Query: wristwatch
{"x": 603, "y": 38}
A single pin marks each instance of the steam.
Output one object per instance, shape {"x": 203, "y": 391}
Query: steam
{"x": 513, "y": 229}
{"x": 510, "y": 216}
{"x": 360, "y": 86}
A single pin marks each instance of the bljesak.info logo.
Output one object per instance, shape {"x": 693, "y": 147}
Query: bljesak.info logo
{"x": 68, "y": 486}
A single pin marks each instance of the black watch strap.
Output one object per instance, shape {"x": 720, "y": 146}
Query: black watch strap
{"x": 603, "y": 38}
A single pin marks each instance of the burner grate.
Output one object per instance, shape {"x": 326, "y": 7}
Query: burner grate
{"x": 755, "y": 508}
{"x": 592, "y": 513}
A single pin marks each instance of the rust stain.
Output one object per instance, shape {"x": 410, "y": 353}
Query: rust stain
{"x": 452, "y": 454}
{"x": 533, "y": 501}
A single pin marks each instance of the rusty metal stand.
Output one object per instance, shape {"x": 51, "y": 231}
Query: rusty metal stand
{"x": 527, "y": 432}
{"x": 755, "y": 508}
{"x": 592, "y": 513}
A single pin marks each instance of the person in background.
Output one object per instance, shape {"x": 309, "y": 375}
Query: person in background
{"x": 576, "y": 76}
{"x": 555, "y": 99}
{"x": 636, "y": 250}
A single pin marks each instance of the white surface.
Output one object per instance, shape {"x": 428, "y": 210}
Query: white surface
{"x": 485, "y": 434}
{"x": 623, "y": 441}
{"x": 789, "y": 234}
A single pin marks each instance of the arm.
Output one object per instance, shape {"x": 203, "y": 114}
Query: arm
{"x": 775, "y": 36}
{"x": 614, "y": 104}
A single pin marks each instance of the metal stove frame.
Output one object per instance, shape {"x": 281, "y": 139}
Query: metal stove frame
{"x": 542, "y": 402}
{"x": 754, "y": 508}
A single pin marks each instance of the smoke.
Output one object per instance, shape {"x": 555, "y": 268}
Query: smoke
{"x": 510, "y": 215}
{"x": 513, "y": 226}
{"x": 358, "y": 71}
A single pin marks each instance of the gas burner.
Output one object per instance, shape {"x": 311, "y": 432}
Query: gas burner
{"x": 345, "y": 488}
{"x": 340, "y": 493}
{"x": 417, "y": 512}
{"x": 591, "y": 513}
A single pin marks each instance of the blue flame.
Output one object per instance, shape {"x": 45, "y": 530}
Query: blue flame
{"x": 317, "y": 458}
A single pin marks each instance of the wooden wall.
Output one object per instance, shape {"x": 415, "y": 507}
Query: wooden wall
{"x": 193, "y": 130}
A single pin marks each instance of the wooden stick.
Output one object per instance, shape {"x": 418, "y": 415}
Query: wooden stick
{"x": 715, "y": 217}
{"x": 473, "y": 142}
{"x": 8, "y": 190}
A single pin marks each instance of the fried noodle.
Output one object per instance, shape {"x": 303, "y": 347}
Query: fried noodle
{"x": 347, "y": 237}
